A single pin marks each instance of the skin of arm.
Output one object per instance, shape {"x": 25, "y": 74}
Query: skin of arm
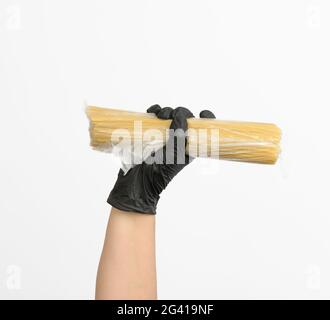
{"x": 127, "y": 268}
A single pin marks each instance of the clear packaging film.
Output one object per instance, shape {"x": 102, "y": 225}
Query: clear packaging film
{"x": 134, "y": 135}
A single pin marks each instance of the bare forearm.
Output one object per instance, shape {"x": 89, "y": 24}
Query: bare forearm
{"x": 127, "y": 268}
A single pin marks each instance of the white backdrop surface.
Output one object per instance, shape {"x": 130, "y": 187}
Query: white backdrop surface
{"x": 224, "y": 230}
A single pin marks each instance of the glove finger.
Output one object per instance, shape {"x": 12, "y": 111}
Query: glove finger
{"x": 154, "y": 109}
{"x": 207, "y": 114}
{"x": 165, "y": 113}
{"x": 180, "y": 116}
{"x": 177, "y": 141}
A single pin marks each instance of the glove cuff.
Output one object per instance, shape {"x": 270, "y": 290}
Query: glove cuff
{"x": 124, "y": 203}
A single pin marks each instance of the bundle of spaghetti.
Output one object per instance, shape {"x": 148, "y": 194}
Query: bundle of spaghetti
{"x": 230, "y": 140}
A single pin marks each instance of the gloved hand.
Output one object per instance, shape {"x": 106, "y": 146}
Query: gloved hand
{"x": 139, "y": 189}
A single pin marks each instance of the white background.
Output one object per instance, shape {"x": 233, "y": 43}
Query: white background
{"x": 224, "y": 230}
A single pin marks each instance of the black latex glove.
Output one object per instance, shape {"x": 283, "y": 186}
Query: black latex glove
{"x": 139, "y": 189}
